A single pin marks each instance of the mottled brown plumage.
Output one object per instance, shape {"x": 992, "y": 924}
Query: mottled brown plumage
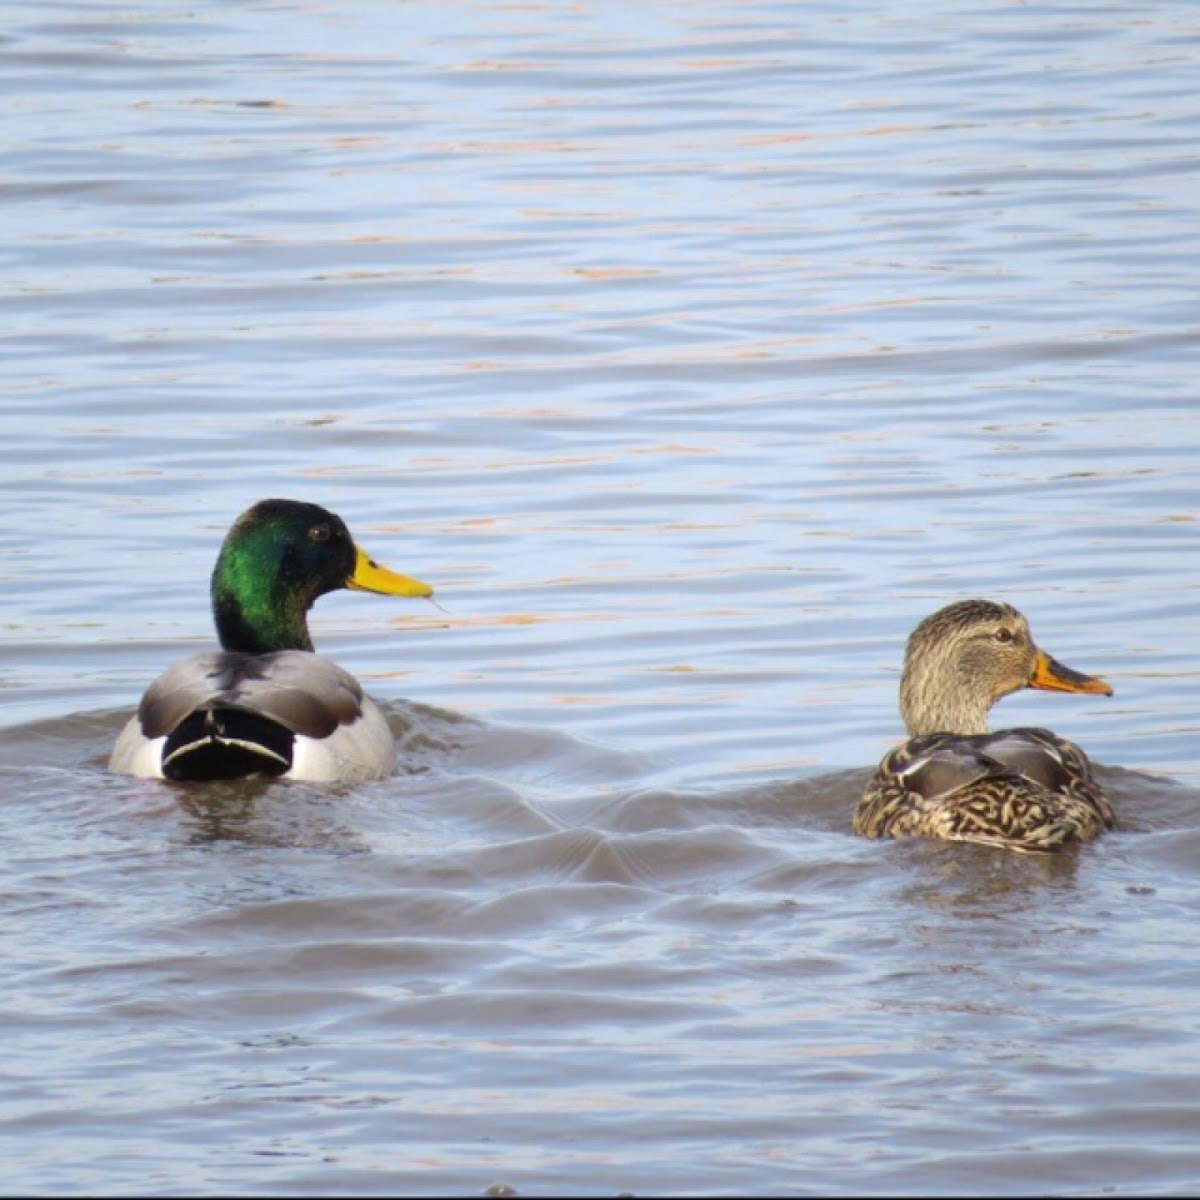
{"x": 1024, "y": 789}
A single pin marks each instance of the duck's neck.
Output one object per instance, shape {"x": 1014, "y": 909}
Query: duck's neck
{"x": 255, "y": 611}
{"x": 935, "y": 697}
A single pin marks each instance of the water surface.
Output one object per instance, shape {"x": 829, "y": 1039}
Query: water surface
{"x": 693, "y": 353}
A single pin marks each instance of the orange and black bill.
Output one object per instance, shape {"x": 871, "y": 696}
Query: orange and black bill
{"x": 1050, "y": 675}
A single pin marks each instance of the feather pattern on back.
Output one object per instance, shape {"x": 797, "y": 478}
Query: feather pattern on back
{"x": 305, "y": 692}
{"x": 329, "y": 729}
{"x": 1025, "y": 789}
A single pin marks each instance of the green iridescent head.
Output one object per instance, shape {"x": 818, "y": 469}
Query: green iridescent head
{"x": 278, "y": 557}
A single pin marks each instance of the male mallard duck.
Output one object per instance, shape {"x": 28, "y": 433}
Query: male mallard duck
{"x": 1025, "y": 789}
{"x": 265, "y": 703}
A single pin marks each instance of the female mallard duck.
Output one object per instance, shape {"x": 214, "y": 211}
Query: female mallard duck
{"x": 1025, "y": 789}
{"x": 265, "y": 703}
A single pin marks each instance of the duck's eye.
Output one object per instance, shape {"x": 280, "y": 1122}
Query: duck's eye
{"x": 1004, "y": 635}
{"x": 319, "y": 533}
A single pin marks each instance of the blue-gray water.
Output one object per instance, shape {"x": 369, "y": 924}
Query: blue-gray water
{"x": 693, "y": 352}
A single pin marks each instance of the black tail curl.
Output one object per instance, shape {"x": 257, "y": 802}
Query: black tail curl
{"x": 226, "y": 743}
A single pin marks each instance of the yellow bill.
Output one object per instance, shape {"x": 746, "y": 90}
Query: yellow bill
{"x": 369, "y": 576}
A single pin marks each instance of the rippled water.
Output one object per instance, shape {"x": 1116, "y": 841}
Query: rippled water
{"x": 693, "y": 352}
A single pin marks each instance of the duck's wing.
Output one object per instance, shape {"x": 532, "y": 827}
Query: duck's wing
{"x": 1014, "y": 790}
{"x": 1040, "y": 755}
{"x": 222, "y": 714}
{"x": 303, "y": 692}
{"x": 913, "y": 776}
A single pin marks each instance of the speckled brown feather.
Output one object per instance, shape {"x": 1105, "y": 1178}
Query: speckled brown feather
{"x": 1024, "y": 789}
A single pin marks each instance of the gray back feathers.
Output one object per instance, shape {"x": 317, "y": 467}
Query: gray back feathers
{"x": 304, "y": 692}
